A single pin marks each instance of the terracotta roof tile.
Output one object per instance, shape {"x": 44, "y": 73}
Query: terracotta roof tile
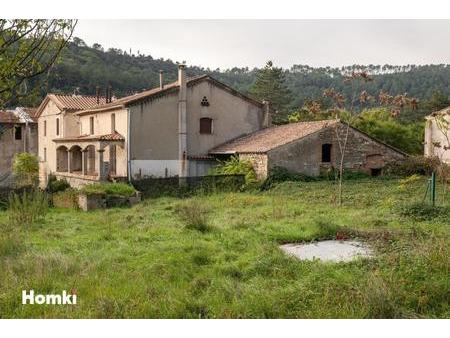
{"x": 108, "y": 137}
{"x": 270, "y": 138}
{"x": 77, "y": 102}
{"x": 8, "y": 116}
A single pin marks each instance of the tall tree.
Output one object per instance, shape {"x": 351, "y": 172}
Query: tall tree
{"x": 28, "y": 49}
{"x": 270, "y": 85}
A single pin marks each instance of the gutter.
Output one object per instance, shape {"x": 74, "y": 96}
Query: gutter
{"x": 128, "y": 145}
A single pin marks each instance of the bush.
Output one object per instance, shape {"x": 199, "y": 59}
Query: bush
{"x": 27, "y": 208}
{"x": 26, "y": 168}
{"x": 54, "y": 185}
{"x": 423, "y": 211}
{"x": 236, "y": 166}
{"x": 280, "y": 174}
{"x": 194, "y": 215}
{"x": 419, "y": 165}
{"x": 66, "y": 199}
{"x": 109, "y": 189}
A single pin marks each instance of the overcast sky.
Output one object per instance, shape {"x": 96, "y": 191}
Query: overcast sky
{"x": 228, "y": 43}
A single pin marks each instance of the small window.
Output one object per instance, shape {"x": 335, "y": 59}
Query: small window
{"x": 113, "y": 123}
{"x": 18, "y": 132}
{"x": 45, "y": 128}
{"x": 57, "y": 126}
{"x": 205, "y": 125}
{"x": 326, "y": 153}
{"x": 45, "y": 154}
{"x": 204, "y": 102}
{"x": 91, "y": 125}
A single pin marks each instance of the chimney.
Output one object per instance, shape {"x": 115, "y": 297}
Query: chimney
{"x": 161, "y": 82}
{"x": 267, "y": 117}
{"x": 97, "y": 94}
{"x": 182, "y": 121}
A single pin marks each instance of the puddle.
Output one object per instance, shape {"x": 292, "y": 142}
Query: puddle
{"x": 329, "y": 251}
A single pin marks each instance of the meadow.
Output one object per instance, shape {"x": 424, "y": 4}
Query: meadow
{"x": 217, "y": 256}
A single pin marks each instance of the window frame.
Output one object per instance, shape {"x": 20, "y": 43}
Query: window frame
{"x": 91, "y": 125}
{"x": 210, "y": 126}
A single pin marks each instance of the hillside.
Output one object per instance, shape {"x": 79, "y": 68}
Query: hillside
{"x": 81, "y": 68}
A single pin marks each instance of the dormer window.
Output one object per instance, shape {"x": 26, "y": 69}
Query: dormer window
{"x": 205, "y": 125}
{"x": 204, "y": 102}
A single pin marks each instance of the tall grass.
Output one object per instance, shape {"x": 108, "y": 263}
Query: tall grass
{"x": 194, "y": 216}
{"x": 27, "y": 208}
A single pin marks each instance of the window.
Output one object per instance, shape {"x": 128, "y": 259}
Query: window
{"x": 57, "y": 126}
{"x": 113, "y": 123}
{"x": 45, "y": 154}
{"x": 326, "y": 153}
{"x": 205, "y": 125}
{"x": 204, "y": 102}
{"x": 91, "y": 125}
{"x": 18, "y": 132}
{"x": 45, "y": 128}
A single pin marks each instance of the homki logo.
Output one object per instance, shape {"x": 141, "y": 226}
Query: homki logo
{"x": 63, "y": 299}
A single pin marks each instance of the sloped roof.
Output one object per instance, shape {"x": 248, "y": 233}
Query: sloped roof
{"x": 168, "y": 88}
{"x": 107, "y": 137}
{"x": 71, "y": 102}
{"x": 18, "y": 115}
{"x": 441, "y": 112}
{"x": 270, "y": 138}
{"x": 8, "y": 116}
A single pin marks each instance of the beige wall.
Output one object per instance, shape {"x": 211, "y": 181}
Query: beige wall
{"x": 434, "y": 134}
{"x": 154, "y": 128}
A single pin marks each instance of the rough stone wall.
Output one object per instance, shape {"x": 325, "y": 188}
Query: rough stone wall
{"x": 305, "y": 155}
{"x": 259, "y": 162}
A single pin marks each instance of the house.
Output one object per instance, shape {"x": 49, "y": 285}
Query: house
{"x": 309, "y": 148}
{"x": 437, "y": 135}
{"x": 162, "y": 132}
{"x": 18, "y": 133}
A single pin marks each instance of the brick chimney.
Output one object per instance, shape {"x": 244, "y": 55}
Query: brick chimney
{"x": 161, "y": 79}
{"x": 182, "y": 122}
{"x": 267, "y": 117}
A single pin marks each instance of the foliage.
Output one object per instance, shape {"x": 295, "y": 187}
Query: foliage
{"x": 54, "y": 185}
{"x": 270, "y": 85}
{"x": 423, "y": 211}
{"x": 411, "y": 165}
{"x": 27, "y": 208}
{"x": 236, "y": 166}
{"x": 26, "y": 168}
{"x": 281, "y": 174}
{"x": 111, "y": 189}
{"x": 28, "y": 49}
{"x": 194, "y": 215}
{"x": 67, "y": 198}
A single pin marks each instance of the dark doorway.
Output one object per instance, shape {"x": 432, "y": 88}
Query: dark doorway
{"x": 375, "y": 172}
{"x": 326, "y": 153}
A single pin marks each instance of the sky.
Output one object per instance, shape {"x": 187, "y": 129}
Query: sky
{"x": 250, "y": 43}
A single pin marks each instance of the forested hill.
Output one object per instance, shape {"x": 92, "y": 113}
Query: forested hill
{"x": 82, "y": 68}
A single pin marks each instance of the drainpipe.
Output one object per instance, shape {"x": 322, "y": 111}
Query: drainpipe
{"x": 182, "y": 122}
{"x": 128, "y": 145}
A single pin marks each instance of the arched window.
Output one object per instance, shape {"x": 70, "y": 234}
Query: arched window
{"x": 326, "y": 153}
{"x": 205, "y": 125}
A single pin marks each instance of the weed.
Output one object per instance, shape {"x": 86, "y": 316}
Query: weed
{"x": 194, "y": 215}
{"x": 27, "y": 208}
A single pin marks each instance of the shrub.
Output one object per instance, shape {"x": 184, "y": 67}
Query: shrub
{"x": 55, "y": 185}
{"x": 236, "y": 166}
{"x": 419, "y": 165}
{"x": 27, "y": 208}
{"x": 111, "y": 189}
{"x": 423, "y": 211}
{"x": 281, "y": 174}
{"x": 327, "y": 229}
{"x": 66, "y": 199}
{"x": 26, "y": 168}
{"x": 194, "y": 215}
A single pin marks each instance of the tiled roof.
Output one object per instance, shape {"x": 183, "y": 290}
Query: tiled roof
{"x": 71, "y": 102}
{"x": 270, "y": 138}
{"x": 108, "y": 137}
{"x": 8, "y": 116}
{"x": 168, "y": 88}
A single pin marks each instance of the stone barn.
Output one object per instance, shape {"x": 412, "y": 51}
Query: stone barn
{"x": 310, "y": 148}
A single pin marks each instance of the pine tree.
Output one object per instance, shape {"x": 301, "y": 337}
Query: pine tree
{"x": 270, "y": 86}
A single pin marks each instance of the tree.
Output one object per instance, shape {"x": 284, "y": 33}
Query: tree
{"x": 270, "y": 86}
{"x": 26, "y": 168}
{"x": 28, "y": 49}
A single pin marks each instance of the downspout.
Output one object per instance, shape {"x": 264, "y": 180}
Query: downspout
{"x": 128, "y": 145}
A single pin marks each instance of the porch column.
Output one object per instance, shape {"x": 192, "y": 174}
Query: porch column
{"x": 99, "y": 164}
{"x": 83, "y": 161}
{"x": 69, "y": 155}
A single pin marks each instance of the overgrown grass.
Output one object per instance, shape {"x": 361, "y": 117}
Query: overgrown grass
{"x": 26, "y": 208}
{"x": 142, "y": 262}
{"x": 112, "y": 189}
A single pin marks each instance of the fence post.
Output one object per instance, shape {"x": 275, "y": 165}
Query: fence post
{"x": 433, "y": 189}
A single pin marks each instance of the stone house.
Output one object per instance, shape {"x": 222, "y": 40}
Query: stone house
{"x": 162, "y": 132}
{"x": 18, "y": 133}
{"x": 437, "y": 135}
{"x": 309, "y": 148}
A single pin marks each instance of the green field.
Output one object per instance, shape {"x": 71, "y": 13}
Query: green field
{"x": 144, "y": 262}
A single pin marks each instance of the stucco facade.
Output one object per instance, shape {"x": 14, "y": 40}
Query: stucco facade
{"x": 437, "y": 135}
